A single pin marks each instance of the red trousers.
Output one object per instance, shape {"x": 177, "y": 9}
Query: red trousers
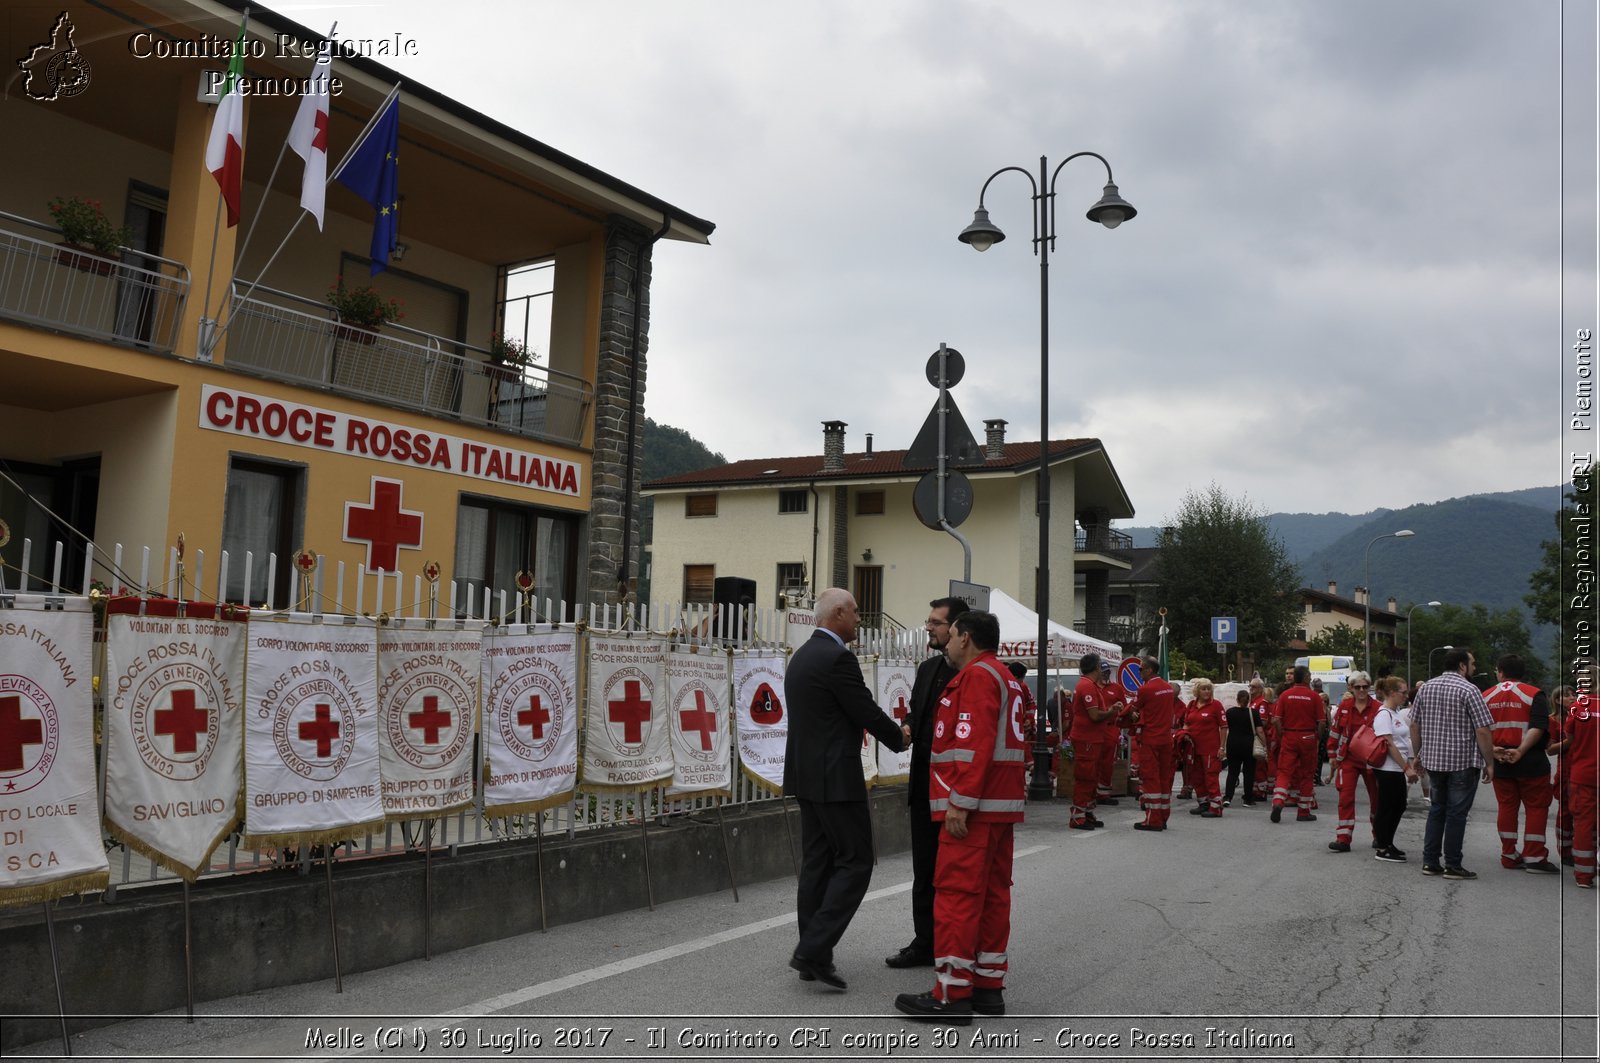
{"x": 1156, "y": 766}
{"x": 1345, "y": 779}
{"x": 1513, "y": 795}
{"x": 1207, "y": 766}
{"x": 1297, "y": 769}
{"x": 1264, "y": 777}
{"x": 1086, "y": 758}
{"x": 1584, "y": 799}
{"x": 1563, "y": 795}
{"x": 1108, "y": 764}
{"x": 972, "y": 910}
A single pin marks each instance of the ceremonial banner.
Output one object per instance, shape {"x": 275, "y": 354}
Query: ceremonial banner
{"x": 311, "y": 733}
{"x": 174, "y": 733}
{"x": 894, "y": 695}
{"x": 427, "y": 706}
{"x": 627, "y": 744}
{"x": 49, "y": 817}
{"x": 530, "y": 719}
{"x": 759, "y": 714}
{"x": 869, "y": 745}
{"x": 697, "y": 690}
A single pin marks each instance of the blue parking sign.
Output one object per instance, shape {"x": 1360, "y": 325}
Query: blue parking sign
{"x": 1224, "y": 629}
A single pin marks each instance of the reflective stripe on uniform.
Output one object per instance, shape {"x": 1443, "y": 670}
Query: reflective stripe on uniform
{"x": 963, "y": 756}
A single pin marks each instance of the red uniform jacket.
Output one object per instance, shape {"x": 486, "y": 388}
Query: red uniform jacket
{"x": 1346, "y": 718}
{"x": 1582, "y": 756}
{"x": 979, "y": 752}
{"x": 1204, "y": 724}
{"x": 1157, "y": 703}
{"x": 1298, "y": 709}
{"x": 1086, "y": 695}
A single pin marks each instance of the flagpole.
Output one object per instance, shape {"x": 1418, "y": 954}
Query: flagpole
{"x": 366, "y": 132}
{"x": 207, "y": 340}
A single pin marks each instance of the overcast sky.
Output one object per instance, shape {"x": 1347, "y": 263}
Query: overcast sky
{"x": 1342, "y": 291}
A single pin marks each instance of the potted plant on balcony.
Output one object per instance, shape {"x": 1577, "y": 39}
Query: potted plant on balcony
{"x": 361, "y": 310}
{"x": 509, "y": 357}
{"x": 89, "y": 242}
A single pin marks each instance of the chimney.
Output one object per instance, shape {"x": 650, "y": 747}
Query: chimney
{"x": 1393, "y": 606}
{"x": 833, "y": 446}
{"x": 1361, "y": 596}
{"x": 1333, "y": 587}
{"x": 994, "y": 444}
{"x": 869, "y": 444}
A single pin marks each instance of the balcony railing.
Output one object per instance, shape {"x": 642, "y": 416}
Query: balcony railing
{"x": 290, "y": 338}
{"x": 135, "y": 302}
{"x": 1103, "y": 541}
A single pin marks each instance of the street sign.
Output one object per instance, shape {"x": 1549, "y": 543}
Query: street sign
{"x": 960, "y": 448}
{"x": 1224, "y": 629}
{"x": 976, "y": 595}
{"x": 955, "y": 367}
{"x": 1130, "y": 673}
{"x": 957, "y": 499}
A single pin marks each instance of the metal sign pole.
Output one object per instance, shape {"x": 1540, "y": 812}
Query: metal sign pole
{"x": 538, "y": 860}
{"x": 727, "y": 852}
{"x": 188, "y": 951}
{"x": 427, "y": 890}
{"x": 55, "y": 969}
{"x": 644, "y": 843}
{"x": 333, "y": 922}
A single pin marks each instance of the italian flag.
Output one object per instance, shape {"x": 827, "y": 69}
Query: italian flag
{"x": 225, "y": 149}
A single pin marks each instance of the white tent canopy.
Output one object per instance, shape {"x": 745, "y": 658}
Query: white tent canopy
{"x": 1019, "y": 635}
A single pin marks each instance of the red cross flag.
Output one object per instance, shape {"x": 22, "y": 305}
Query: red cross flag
{"x": 427, "y": 711}
{"x": 311, "y": 733}
{"x": 698, "y": 685}
{"x": 626, "y": 739}
{"x": 49, "y": 817}
{"x": 759, "y": 715}
{"x": 174, "y": 732}
{"x": 894, "y": 696}
{"x": 383, "y": 524}
{"x": 308, "y": 136}
{"x": 530, "y": 718}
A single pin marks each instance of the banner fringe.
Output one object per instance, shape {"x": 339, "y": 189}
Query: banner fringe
{"x": 296, "y": 839}
{"x": 776, "y": 789}
{"x": 172, "y": 863}
{"x": 528, "y": 808}
{"x": 85, "y": 882}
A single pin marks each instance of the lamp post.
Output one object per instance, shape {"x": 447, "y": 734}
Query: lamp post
{"x": 1433, "y": 651}
{"x": 1366, "y": 581}
{"x": 1111, "y": 211}
{"x": 1414, "y": 608}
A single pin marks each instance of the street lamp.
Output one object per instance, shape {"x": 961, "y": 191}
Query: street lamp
{"x": 1414, "y": 608}
{"x": 1366, "y": 581}
{"x": 1111, "y": 211}
{"x": 1433, "y": 651}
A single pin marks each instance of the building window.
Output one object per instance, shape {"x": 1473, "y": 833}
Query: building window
{"x": 261, "y": 515}
{"x": 793, "y": 501}
{"x": 704, "y": 505}
{"x": 699, "y": 583}
{"x": 869, "y": 503}
{"x": 495, "y": 540}
{"x": 792, "y": 578}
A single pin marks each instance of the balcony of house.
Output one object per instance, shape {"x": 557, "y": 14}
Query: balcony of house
{"x": 1102, "y": 548}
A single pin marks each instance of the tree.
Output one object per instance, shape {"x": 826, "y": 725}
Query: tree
{"x": 1340, "y": 640}
{"x": 1561, "y": 590}
{"x": 1220, "y": 558}
{"x": 1487, "y": 634}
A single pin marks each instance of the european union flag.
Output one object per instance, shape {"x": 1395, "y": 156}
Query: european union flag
{"x": 373, "y": 173}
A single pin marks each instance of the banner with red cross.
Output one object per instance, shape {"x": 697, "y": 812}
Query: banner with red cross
{"x": 311, "y": 733}
{"x": 50, "y": 842}
{"x": 894, "y": 697}
{"x": 427, "y": 714}
{"x": 530, "y": 718}
{"x": 627, "y": 742}
{"x": 869, "y": 745}
{"x": 174, "y": 732}
{"x": 760, "y": 718}
{"x": 697, "y": 693}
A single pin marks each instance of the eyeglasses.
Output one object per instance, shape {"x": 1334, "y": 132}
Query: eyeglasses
{"x": 930, "y": 622}
{"x": 1360, "y": 686}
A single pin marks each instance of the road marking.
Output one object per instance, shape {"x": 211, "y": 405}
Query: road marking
{"x": 595, "y": 974}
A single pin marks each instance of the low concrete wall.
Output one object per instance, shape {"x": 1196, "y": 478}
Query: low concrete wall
{"x": 271, "y": 928}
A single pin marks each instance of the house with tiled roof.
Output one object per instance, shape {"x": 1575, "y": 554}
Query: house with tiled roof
{"x": 797, "y": 525}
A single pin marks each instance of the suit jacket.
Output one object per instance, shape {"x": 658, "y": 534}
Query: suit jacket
{"x": 933, "y": 675}
{"x": 829, "y": 705}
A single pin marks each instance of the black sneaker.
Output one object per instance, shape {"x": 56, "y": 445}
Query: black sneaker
{"x": 1393, "y": 856}
{"x": 1459, "y": 873}
{"x": 1277, "y": 813}
{"x": 1306, "y": 817}
{"x": 1543, "y": 867}
{"x": 927, "y": 1008}
{"x": 1339, "y": 847}
{"x": 989, "y": 1001}
{"x": 1401, "y": 853}
{"x": 1432, "y": 869}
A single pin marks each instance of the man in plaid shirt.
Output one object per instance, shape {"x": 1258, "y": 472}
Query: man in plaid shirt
{"x": 1450, "y": 724}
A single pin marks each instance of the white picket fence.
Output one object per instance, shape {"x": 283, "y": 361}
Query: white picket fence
{"x": 180, "y": 578}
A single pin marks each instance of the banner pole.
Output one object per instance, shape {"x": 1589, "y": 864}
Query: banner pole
{"x": 427, "y": 891}
{"x": 333, "y": 923}
{"x": 727, "y": 852}
{"x": 644, "y": 842}
{"x": 188, "y": 953}
{"x": 538, "y": 860}
{"x": 55, "y": 969}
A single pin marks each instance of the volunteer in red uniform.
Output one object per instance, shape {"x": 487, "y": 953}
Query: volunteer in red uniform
{"x": 976, "y": 789}
{"x": 1207, "y": 723}
{"x": 1521, "y": 716}
{"x": 1116, "y": 703}
{"x": 1297, "y": 718}
{"x": 1265, "y": 769}
{"x": 1582, "y": 755}
{"x": 1088, "y": 736}
{"x": 1358, "y": 707}
{"x": 1155, "y": 709}
{"x": 1560, "y": 702}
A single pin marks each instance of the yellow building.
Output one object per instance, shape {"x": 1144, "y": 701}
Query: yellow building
{"x": 387, "y": 448}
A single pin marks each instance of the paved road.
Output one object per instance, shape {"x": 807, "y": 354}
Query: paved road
{"x": 1220, "y": 939}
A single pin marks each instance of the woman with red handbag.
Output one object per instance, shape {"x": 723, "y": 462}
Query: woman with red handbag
{"x": 1395, "y": 770}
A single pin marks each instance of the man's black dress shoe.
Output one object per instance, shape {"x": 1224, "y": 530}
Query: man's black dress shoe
{"x": 924, "y": 1007}
{"x": 811, "y": 970}
{"x": 989, "y": 1001}
{"x": 910, "y": 956}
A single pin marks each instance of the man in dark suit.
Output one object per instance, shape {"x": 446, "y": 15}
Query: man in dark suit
{"x": 829, "y": 706}
{"x": 932, "y": 675}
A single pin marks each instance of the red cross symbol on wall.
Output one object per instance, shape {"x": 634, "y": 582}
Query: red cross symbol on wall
{"x": 535, "y": 716}
{"x": 15, "y": 732}
{"x": 699, "y": 720}
{"x": 429, "y": 720}
{"x": 633, "y": 712}
{"x": 183, "y": 721}
{"x": 383, "y": 525}
{"x": 323, "y": 730}
{"x": 901, "y": 709}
